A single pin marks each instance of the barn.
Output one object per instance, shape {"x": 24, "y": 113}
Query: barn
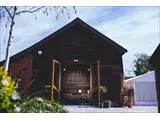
{"x": 75, "y": 61}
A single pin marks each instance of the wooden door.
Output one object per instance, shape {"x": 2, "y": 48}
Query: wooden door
{"x": 75, "y": 83}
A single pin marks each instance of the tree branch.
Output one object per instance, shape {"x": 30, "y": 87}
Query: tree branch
{"x": 61, "y": 11}
{"x": 8, "y": 11}
{"x": 27, "y": 86}
{"x": 38, "y": 92}
{"x": 67, "y": 12}
{"x": 29, "y": 10}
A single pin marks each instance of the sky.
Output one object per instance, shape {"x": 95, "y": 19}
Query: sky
{"x": 135, "y": 28}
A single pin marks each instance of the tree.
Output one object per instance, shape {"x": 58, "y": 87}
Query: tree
{"x": 141, "y": 64}
{"x": 8, "y": 15}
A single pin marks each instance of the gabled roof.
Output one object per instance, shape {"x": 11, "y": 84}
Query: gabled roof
{"x": 147, "y": 77}
{"x": 66, "y": 27}
{"x": 155, "y": 56}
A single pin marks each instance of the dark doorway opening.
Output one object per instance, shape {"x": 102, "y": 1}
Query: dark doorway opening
{"x": 75, "y": 83}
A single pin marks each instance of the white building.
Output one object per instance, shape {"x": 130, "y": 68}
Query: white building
{"x": 144, "y": 89}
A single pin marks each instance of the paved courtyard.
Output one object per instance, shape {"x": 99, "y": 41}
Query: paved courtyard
{"x": 89, "y": 109}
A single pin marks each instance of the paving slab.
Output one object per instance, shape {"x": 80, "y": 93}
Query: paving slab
{"x": 90, "y": 109}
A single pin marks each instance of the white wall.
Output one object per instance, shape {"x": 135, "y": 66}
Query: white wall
{"x": 144, "y": 89}
{"x": 145, "y": 93}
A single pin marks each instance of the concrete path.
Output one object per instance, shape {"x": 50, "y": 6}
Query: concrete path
{"x": 89, "y": 109}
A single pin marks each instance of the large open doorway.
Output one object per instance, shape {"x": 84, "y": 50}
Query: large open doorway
{"x": 75, "y": 82}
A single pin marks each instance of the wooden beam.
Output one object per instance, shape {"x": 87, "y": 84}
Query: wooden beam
{"x": 99, "y": 83}
{"x": 54, "y": 87}
{"x": 91, "y": 80}
{"x": 53, "y": 67}
{"x": 59, "y": 82}
{"x": 56, "y": 61}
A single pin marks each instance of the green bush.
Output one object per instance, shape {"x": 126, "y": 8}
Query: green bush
{"x": 10, "y": 99}
{"x": 39, "y": 105}
{"x": 8, "y": 93}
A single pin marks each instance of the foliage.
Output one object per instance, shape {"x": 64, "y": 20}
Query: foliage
{"x": 103, "y": 92}
{"x": 10, "y": 100}
{"x": 47, "y": 87}
{"x": 125, "y": 101}
{"x": 39, "y": 105}
{"x": 85, "y": 97}
{"x": 128, "y": 97}
{"x": 103, "y": 89}
{"x": 8, "y": 93}
{"x": 141, "y": 64}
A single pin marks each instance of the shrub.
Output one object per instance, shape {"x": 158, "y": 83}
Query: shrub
{"x": 8, "y": 93}
{"x": 103, "y": 92}
{"x": 103, "y": 89}
{"x": 125, "y": 101}
{"x": 10, "y": 100}
{"x": 39, "y": 105}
